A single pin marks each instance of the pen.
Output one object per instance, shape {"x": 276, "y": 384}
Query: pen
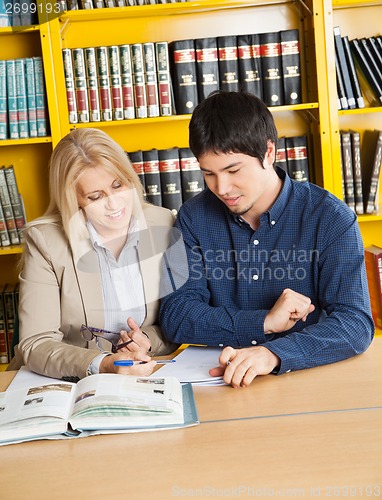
{"x": 130, "y": 362}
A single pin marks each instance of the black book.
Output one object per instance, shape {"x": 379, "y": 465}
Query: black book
{"x": 342, "y": 100}
{"x": 191, "y": 175}
{"x": 152, "y": 177}
{"x": 291, "y": 69}
{"x": 207, "y": 66}
{"x": 371, "y": 159}
{"x": 136, "y": 158}
{"x": 228, "y": 63}
{"x": 297, "y": 158}
{"x": 375, "y": 51}
{"x": 343, "y": 67}
{"x": 273, "y": 93}
{"x": 281, "y": 154}
{"x": 249, "y": 59}
{"x": 371, "y": 59}
{"x": 360, "y": 102}
{"x": 366, "y": 69}
{"x": 184, "y": 76}
{"x": 169, "y": 168}
{"x": 355, "y": 138}
{"x": 347, "y": 168}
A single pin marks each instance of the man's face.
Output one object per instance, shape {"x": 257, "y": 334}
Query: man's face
{"x": 244, "y": 184}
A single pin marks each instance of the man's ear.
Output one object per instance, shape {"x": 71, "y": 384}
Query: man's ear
{"x": 270, "y": 155}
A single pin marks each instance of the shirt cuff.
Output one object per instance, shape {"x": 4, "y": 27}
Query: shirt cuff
{"x": 93, "y": 368}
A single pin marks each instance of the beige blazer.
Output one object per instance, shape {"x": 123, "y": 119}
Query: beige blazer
{"x": 60, "y": 288}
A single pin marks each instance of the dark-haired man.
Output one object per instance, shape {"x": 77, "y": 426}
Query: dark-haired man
{"x": 277, "y": 273}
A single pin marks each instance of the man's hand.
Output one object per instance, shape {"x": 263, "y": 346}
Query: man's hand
{"x": 240, "y": 366}
{"x": 289, "y": 308}
{"x": 140, "y": 343}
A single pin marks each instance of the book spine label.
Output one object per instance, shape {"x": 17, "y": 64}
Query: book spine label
{"x": 297, "y": 158}
{"x": 357, "y": 172}
{"x": 228, "y": 63}
{"x": 152, "y": 177}
{"x": 127, "y": 82}
{"x": 41, "y": 109}
{"x": 69, "y": 85}
{"x": 164, "y": 80}
{"x": 169, "y": 168}
{"x": 191, "y": 175}
{"x": 21, "y": 97}
{"x": 271, "y": 69}
{"x": 151, "y": 80}
{"x": 14, "y": 195}
{"x": 12, "y": 100}
{"x": 31, "y": 96}
{"x": 249, "y": 60}
{"x": 4, "y": 235}
{"x": 92, "y": 84}
{"x": 115, "y": 82}
{"x": 290, "y": 60}
{"x": 3, "y": 101}
{"x": 184, "y": 76}
{"x": 139, "y": 81}
{"x": 207, "y": 66}
{"x": 104, "y": 84}
{"x": 80, "y": 85}
{"x": 347, "y": 167}
{"x": 5, "y": 200}
{"x": 370, "y": 206}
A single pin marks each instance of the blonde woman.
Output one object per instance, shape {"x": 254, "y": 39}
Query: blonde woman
{"x": 90, "y": 277}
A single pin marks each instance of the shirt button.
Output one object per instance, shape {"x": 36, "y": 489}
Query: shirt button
{"x": 255, "y": 277}
{"x": 220, "y": 345}
{"x": 256, "y": 242}
{"x": 273, "y": 222}
{"x": 287, "y": 371}
{"x": 253, "y": 342}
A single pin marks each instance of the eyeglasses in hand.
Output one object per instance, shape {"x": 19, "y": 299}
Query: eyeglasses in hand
{"x": 89, "y": 333}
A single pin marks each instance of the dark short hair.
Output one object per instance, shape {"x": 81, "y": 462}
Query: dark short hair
{"x": 231, "y": 122}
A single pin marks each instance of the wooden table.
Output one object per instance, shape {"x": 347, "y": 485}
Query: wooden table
{"x": 312, "y": 433}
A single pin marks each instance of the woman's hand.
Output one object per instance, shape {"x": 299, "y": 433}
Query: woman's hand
{"x": 136, "y": 341}
{"x": 144, "y": 365}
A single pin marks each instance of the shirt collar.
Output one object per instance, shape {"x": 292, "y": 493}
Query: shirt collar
{"x": 274, "y": 213}
{"x": 133, "y": 234}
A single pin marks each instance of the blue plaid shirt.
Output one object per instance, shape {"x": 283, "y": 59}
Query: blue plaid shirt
{"x": 308, "y": 241}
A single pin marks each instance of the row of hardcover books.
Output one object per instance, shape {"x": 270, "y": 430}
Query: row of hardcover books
{"x": 358, "y": 70}
{"x": 23, "y": 106}
{"x": 9, "y": 299}
{"x": 292, "y": 156}
{"x": 361, "y": 168}
{"x": 145, "y": 80}
{"x": 119, "y": 82}
{"x": 265, "y": 64}
{"x": 373, "y": 261}
{"x": 172, "y": 176}
{"x": 12, "y": 213}
{"x": 169, "y": 176}
{"x": 100, "y": 4}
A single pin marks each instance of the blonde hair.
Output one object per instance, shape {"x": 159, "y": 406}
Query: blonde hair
{"x": 77, "y": 151}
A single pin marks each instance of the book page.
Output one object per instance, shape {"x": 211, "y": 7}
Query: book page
{"x": 193, "y": 365}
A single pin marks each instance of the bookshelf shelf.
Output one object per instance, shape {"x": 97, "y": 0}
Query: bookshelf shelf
{"x": 12, "y": 250}
{"x": 163, "y": 10}
{"x": 362, "y": 111}
{"x": 20, "y": 142}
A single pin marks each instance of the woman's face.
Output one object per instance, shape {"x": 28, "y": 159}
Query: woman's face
{"x": 106, "y": 202}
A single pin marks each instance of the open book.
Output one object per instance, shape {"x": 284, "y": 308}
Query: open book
{"x": 107, "y": 403}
